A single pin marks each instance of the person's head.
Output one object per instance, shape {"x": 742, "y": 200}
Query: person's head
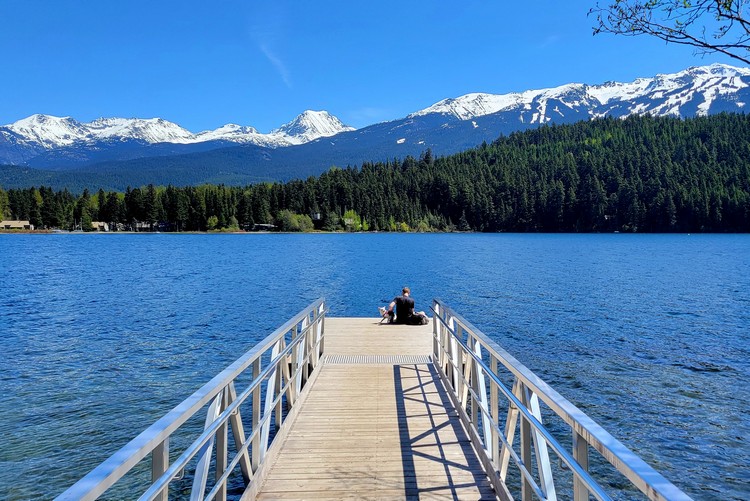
{"x": 406, "y": 291}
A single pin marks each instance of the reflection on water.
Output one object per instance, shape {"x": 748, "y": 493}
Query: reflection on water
{"x": 102, "y": 334}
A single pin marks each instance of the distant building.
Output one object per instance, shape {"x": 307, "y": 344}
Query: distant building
{"x": 264, "y": 227}
{"x": 100, "y": 226}
{"x": 16, "y": 225}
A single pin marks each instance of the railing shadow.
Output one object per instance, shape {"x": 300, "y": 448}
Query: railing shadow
{"x": 428, "y": 427}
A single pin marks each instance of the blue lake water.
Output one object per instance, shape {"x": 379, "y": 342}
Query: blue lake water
{"x": 102, "y": 334}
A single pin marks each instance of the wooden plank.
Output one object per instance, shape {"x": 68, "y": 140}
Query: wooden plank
{"x": 376, "y": 430}
{"x": 366, "y": 336}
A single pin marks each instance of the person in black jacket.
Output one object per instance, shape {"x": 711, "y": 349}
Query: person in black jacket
{"x": 405, "y": 314}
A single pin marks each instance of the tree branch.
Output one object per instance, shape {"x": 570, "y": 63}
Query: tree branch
{"x": 676, "y": 21}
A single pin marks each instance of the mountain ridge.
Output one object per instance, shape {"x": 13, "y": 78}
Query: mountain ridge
{"x": 445, "y": 127}
{"x": 47, "y": 132}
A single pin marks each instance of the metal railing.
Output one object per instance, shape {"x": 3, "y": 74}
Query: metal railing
{"x": 293, "y": 352}
{"x": 461, "y": 352}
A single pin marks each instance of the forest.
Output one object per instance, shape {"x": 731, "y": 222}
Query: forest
{"x": 640, "y": 174}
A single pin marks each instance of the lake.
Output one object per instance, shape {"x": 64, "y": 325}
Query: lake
{"x": 102, "y": 334}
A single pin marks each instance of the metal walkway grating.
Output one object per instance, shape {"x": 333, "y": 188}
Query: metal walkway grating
{"x": 378, "y": 359}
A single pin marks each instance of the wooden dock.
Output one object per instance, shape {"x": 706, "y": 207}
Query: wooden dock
{"x": 371, "y": 411}
{"x": 375, "y": 423}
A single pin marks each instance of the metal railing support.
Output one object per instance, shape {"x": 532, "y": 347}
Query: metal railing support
{"x": 238, "y": 432}
{"x": 509, "y": 433}
{"x": 159, "y": 464}
{"x": 544, "y": 469}
{"x": 204, "y": 455}
{"x": 222, "y": 449}
{"x": 580, "y": 454}
{"x": 525, "y": 435}
{"x": 495, "y": 406}
{"x": 255, "y": 447}
{"x": 268, "y": 405}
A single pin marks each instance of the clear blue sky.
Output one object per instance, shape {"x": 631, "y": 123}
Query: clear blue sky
{"x": 203, "y": 64}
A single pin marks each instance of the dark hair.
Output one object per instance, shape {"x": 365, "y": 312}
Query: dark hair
{"x": 406, "y": 290}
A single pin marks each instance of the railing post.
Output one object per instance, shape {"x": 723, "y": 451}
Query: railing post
{"x": 204, "y": 456}
{"x": 481, "y": 390}
{"x": 159, "y": 465}
{"x": 457, "y": 365}
{"x": 238, "y": 432}
{"x": 470, "y": 382}
{"x": 526, "y": 489}
{"x": 581, "y": 455}
{"x": 299, "y": 356}
{"x": 221, "y": 448}
{"x": 494, "y": 405}
{"x": 540, "y": 448}
{"x": 309, "y": 343}
{"x": 321, "y": 329}
{"x": 450, "y": 347}
{"x": 510, "y": 430}
{"x": 267, "y": 406}
{"x": 279, "y": 384}
{"x": 255, "y": 456}
{"x": 435, "y": 333}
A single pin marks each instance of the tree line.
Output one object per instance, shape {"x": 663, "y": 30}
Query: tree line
{"x": 641, "y": 174}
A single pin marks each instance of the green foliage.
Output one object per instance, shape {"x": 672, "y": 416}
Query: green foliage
{"x": 4, "y": 204}
{"x": 641, "y": 174}
{"x": 352, "y": 221}
{"x": 289, "y": 221}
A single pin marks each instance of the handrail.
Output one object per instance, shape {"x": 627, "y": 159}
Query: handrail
{"x": 291, "y": 363}
{"x": 462, "y": 367}
{"x": 566, "y": 457}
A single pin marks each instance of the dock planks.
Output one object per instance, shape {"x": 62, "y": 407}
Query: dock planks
{"x": 376, "y": 428}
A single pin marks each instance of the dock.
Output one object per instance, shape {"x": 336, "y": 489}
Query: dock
{"x": 352, "y": 408}
{"x": 378, "y": 424}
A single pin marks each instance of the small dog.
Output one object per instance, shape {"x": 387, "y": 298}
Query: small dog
{"x": 385, "y": 315}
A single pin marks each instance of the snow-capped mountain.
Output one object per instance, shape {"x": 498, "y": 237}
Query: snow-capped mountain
{"x": 311, "y": 125}
{"x": 48, "y": 131}
{"x": 451, "y": 125}
{"x": 152, "y": 130}
{"x": 46, "y": 139}
{"x": 52, "y": 132}
{"x": 687, "y": 93}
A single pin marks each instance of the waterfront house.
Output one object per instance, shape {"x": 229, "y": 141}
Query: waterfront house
{"x": 100, "y": 226}
{"x": 16, "y": 225}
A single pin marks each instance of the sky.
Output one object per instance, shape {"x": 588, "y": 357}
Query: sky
{"x": 203, "y": 64}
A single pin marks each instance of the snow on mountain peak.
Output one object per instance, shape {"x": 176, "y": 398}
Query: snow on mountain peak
{"x": 472, "y": 105}
{"x": 696, "y": 90}
{"x": 241, "y": 134}
{"x": 151, "y": 130}
{"x": 708, "y": 81}
{"x": 54, "y": 132}
{"x": 311, "y": 125}
{"x": 479, "y": 104}
{"x": 50, "y": 131}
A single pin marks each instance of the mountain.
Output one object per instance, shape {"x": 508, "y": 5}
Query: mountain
{"x": 311, "y": 125}
{"x": 62, "y": 142}
{"x": 314, "y": 141}
{"x": 688, "y": 93}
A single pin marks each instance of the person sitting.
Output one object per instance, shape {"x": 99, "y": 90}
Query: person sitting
{"x": 405, "y": 314}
